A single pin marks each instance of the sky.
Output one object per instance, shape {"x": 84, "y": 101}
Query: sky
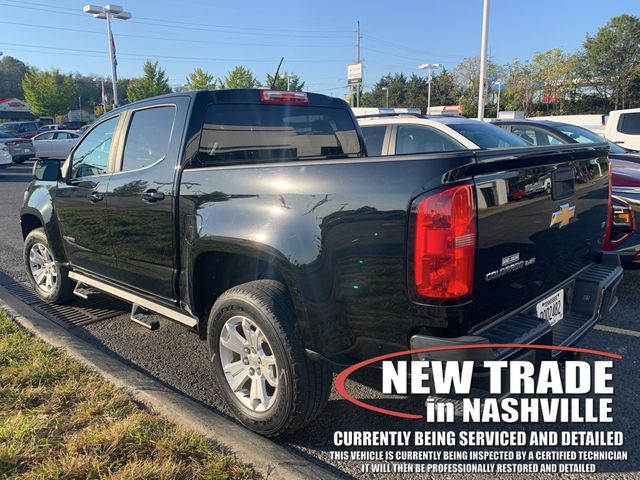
{"x": 316, "y": 39}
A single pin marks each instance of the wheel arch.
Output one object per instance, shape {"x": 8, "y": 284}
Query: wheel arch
{"x": 214, "y": 270}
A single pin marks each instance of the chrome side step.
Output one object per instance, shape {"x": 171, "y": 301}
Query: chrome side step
{"x": 142, "y": 316}
{"x": 133, "y": 298}
{"x": 83, "y": 291}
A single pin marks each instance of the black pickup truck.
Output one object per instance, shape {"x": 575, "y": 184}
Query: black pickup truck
{"x": 255, "y": 218}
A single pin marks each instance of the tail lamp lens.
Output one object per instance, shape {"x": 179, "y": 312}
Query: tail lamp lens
{"x": 445, "y": 244}
{"x": 274, "y": 97}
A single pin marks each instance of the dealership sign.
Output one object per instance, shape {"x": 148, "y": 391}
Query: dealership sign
{"x": 13, "y": 105}
{"x": 354, "y": 73}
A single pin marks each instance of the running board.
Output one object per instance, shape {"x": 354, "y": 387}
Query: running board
{"x": 150, "y": 305}
{"x": 83, "y": 291}
{"x": 142, "y": 316}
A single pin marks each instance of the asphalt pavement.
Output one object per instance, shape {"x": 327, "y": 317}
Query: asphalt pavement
{"x": 178, "y": 358}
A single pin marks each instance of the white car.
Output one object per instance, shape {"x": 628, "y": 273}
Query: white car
{"x": 411, "y": 133}
{"x": 5, "y": 157}
{"x": 623, "y": 128}
{"x": 55, "y": 144}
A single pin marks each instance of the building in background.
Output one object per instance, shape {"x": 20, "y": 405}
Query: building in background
{"x": 14, "y": 109}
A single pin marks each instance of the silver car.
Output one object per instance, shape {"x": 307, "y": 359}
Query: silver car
{"x": 20, "y": 149}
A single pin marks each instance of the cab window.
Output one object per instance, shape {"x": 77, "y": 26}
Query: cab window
{"x": 148, "y": 137}
{"x": 92, "y": 155}
{"x": 373, "y": 139}
{"x": 419, "y": 139}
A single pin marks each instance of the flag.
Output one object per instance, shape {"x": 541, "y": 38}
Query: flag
{"x": 113, "y": 49}
{"x": 104, "y": 93}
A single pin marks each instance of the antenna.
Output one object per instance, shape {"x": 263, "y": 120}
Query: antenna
{"x": 275, "y": 77}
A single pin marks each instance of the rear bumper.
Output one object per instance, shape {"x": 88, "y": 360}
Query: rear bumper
{"x": 589, "y": 296}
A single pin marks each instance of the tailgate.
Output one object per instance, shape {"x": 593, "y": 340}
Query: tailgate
{"x": 541, "y": 213}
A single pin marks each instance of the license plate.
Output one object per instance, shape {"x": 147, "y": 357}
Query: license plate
{"x": 551, "y": 308}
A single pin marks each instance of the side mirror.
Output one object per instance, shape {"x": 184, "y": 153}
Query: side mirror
{"x": 47, "y": 170}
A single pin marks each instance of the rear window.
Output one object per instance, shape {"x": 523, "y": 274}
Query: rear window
{"x": 260, "y": 133}
{"x": 487, "y": 136}
{"x": 582, "y": 135}
{"x": 629, "y": 123}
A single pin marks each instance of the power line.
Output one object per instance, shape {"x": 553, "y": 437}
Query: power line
{"x": 257, "y": 31}
{"x": 68, "y": 29}
{"x": 174, "y": 58}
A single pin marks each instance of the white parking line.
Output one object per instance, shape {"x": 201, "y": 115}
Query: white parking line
{"x": 621, "y": 331}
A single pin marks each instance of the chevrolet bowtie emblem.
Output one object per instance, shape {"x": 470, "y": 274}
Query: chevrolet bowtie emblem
{"x": 563, "y": 216}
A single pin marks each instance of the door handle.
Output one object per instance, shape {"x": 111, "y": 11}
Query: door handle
{"x": 95, "y": 197}
{"x": 619, "y": 142}
{"x": 151, "y": 196}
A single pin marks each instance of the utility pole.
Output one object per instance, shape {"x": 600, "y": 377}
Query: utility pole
{"x": 483, "y": 59}
{"x": 358, "y": 61}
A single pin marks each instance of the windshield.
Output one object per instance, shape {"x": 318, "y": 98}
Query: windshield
{"x": 255, "y": 133}
{"x": 487, "y": 136}
{"x": 582, "y": 135}
{"x": 8, "y": 126}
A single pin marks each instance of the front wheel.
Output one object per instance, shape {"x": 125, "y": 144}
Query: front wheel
{"x": 260, "y": 362}
{"x": 50, "y": 280}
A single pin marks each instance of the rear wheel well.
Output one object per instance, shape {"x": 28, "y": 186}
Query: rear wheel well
{"x": 28, "y": 223}
{"x": 216, "y": 272}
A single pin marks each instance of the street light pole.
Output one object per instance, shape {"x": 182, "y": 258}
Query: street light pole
{"x": 483, "y": 59}
{"x": 386, "y": 89}
{"x": 106, "y": 13}
{"x": 428, "y": 67}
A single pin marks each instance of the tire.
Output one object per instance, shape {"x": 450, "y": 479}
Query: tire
{"x": 19, "y": 160}
{"x": 302, "y": 385}
{"x": 38, "y": 252}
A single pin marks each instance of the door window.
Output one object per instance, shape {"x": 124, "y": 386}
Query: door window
{"x": 63, "y": 135}
{"x": 148, "y": 137}
{"x": 45, "y": 136}
{"x": 419, "y": 139}
{"x": 629, "y": 123}
{"x": 536, "y": 136}
{"x": 373, "y": 139}
{"x": 92, "y": 155}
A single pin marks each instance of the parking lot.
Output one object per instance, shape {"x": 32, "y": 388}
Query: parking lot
{"x": 177, "y": 357}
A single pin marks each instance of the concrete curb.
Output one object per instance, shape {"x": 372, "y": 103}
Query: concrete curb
{"x": 268, "y": 458}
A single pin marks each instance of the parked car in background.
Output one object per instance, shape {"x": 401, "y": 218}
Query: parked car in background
{"x": 402, "y": 134}
{"x": 623, "y": 236}
{"x": 84, "y": 128}
{"x": 20, "y": 149}
{"x": 55, "y": 144}
{"x": 593, "y": 122}
{"x": 623, "y": 128}
{"x": 20, "y": 129}
{"x": 47, "y": 128}
{"x": 5, "y": 157}
{"x": 72, "y": 125}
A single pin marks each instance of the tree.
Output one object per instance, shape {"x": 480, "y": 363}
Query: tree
{"x": 467, "y": 76}
{"x": 153, "y": 83}
{"x": 295, "y": 85}
{"x": 12, "y": 71}
{"x": 200, "y": 80}
{"x": 240, "y": 77}
{"x": 48, "y": 93}
{"x": 612, "y": 60}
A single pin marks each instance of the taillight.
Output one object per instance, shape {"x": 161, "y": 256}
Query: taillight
{"x": 621, "y": 224}
{"x": 445, "y": 244}
{"x": 283, "y": 98}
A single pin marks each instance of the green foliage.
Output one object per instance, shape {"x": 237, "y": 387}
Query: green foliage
{"x": 12, "y": 71}
{"x": 295, "y": 85}
{"x": 153, "y": 83}
{"x": 412, "y": 92}
{"x": 612, "y": 60}
{"x": 48, "y": 92}
{"x": 240, "y": 77}
{"x": 200, "y": 80}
